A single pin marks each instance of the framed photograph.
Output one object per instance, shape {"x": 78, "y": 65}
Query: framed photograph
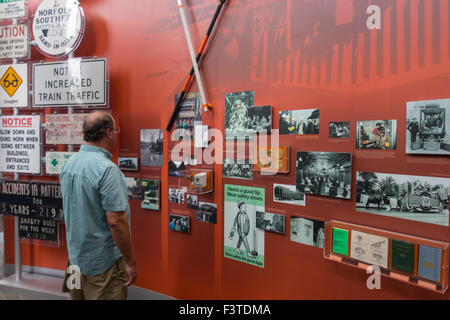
{"x": 376, "y": 134}
{"x": 259, "y": 120}
{"x": 191, "y": 112}
{"x": 298, "y": 122}
{"x": 179, "y": 223}
{"x": 176, "y": 195}
{"x": 427, "y": 127}
{"x": 152, "y": 147}
{"x": 339, "y": 129}
{"x": 417, "y": 198}
{"x": 151, "y": 194}
{"x": 270, "y": 222}
{"x": 177, "y": 168}
{"x": 236, "y": 114}
{"x": 128, "y": 164}
{"x": 134, "y": 188}
{"x": 237, "y": 168}
{"x": 324, "y": 173}
{"x": 307, "y": 231}
{"x": 206, "y": 212}
{"x": 288, "y": 194}
{"x": 192, "y": 201}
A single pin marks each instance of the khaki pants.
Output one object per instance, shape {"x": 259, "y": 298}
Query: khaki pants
{"x": 108, "y": 285}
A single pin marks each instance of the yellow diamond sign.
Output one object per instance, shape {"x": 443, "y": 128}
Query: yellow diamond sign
{"x": 10, "y": 81}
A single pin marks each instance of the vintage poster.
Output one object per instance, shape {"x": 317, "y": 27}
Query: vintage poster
{"x": 369, "y": 248}
{"x": 243, "y": 241}
{"x": 237, "y": 105}
{"x": 55, "y": 160}
{"x": 417, "y": 198}
{"x": 64, "y": 128}
{"x": 427, "y": 127}
{"x": 20, "y": 138}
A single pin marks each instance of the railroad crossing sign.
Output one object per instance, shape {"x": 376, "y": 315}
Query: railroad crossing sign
{"x": 11, "y": 81}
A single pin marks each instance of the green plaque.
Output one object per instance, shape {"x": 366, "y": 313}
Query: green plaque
{"x": 340, "y": 241}
{"x": 402, "y": 256}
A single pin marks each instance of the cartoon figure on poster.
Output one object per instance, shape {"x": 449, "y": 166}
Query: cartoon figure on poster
{"x": 243, "y": 241}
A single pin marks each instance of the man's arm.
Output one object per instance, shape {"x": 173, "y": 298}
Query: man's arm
{"x": 120, "y": 231}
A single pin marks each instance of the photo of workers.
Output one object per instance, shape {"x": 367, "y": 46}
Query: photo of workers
{"x": 259, "y": 120}
{"x": 427, "y": 126}
{"x": 306, "y": 231}
{"x": 298, "y": 122}
{"x": 339, "y": 130}
{"x": 417, "y": 198}
{"x": 376, "y": 134}
{"x": 236, "y": 114}
{"x": 237, "y": 168}
{"x": 270, "y": 222}
{"x": 179, "y": 223}
{"x": 176, "y": 196}
{"x": 324, "y": 173}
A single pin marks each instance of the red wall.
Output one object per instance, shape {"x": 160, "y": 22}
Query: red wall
{"x": 293, "y": 54}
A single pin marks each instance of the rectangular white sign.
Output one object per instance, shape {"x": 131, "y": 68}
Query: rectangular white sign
{"x": 64, "y": 128}
{"x": 14, "y": 41}
{"x": 370, "y": 248}
{"x": 12, "y": 9}
{"x": 55, "y": 160}
{"x": 14, "y": 86}
{"x": 20, "y": 144}
{"x": 75, "y": 82}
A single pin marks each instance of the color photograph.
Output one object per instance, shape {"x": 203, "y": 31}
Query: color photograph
{"x": 128, "y": 164}
{"x": 376, "y": 134}
{"x": 151, "y": 196}
{"x": 179, "y": 223}
{"x": 298, "y": 122}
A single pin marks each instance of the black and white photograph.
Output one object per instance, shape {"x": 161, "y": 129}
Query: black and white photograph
{"x": 288, "y": 194}
{"x": 339, "y": 130}
{"x": 237, "y": 168}
{"x": 307, "y": 231}
{"x": 128, "y": 164}
{"x": 259, "y": 120}
{"x": 298, "y": 122}
{"x": 417, "y": 198}
{"x": 176, "y": 195}
{"x": 191, "y": 112}
{"x": 236, "y": 114}
{"x": 324, "y": 173}
{"x": 151, "y": 195}
{"x": 206, "y": 212}
{"x": 427, "y": 127}
{"x": 152, "y": 147}
{"x": 177, "y": 168}
{"x": 376, "y": 134}
{"x": 134, "y": 188}
{"x": 192, "y": 201}
{"x": 271, "y": 222}
{"x": 179, "y": 223}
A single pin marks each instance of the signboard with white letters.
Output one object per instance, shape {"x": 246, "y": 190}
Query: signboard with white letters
{"x": 14, "y": 41}
{"x": 64, "y": 128}
{"x": 77, "y": 82}
{"x": 58, "y": 26}
{"x": 12, "y": 9}
{"x": 20, "y": 144}
{"x": 14, "y": 86}
{"x": 54, "y": 161}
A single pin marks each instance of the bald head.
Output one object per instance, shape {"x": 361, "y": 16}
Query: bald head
{"x": 96, "y": 124}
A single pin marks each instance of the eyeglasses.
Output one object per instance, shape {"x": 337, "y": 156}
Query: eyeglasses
{"x": 115, "y": 129}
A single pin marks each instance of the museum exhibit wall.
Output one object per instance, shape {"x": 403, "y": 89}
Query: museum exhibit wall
{"x": 294, "y": 55}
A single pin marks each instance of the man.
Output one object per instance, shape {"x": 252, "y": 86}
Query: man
{"x": 96, "y": 214}
{"x": 310, "y": 127}
{"x": 414, "y": 129}
{"x": 284, "y": 124}
{"x": 241, "y": 224}
{"x": 380, "y": 141}
{"x": 301, "y": 127}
